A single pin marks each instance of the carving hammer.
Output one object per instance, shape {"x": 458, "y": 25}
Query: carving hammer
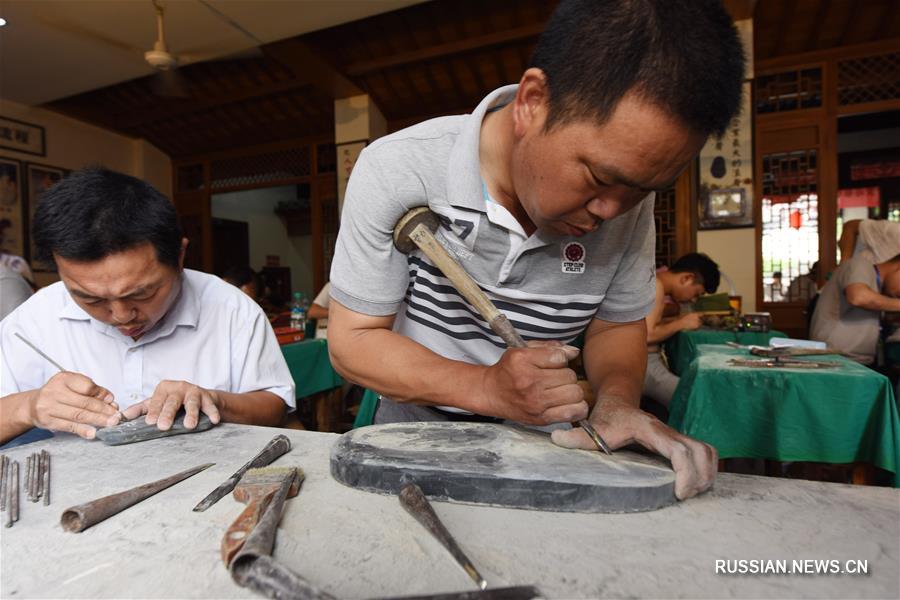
{"x": 416, "y": 229}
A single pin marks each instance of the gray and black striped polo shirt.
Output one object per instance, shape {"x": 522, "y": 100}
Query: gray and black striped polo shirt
{"x": 549, "y": 286}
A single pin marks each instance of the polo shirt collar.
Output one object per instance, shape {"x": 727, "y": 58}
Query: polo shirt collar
{"x": 185, "y": 311}
{"x": 464, "y": 169}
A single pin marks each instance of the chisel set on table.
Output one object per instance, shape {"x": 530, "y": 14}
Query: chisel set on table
{"x": 37, "y": 483}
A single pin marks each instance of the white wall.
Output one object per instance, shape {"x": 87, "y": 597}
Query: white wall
{"x": 735, "y": 251}
{"x": 268, "y": 233}
{"x": 72, "y": 144}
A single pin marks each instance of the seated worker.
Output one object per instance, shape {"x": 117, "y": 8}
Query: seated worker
{"x": 245, "y": 279}
{"x": 545, "y": 194}
{"x": 805, "y": 287}
{"x": 848, "y": 313}
{"x": 136, "y": 332}
{"x": 878, "y": 237}
{"x": 688, "y": 278}
{"x": 318, "y": 310}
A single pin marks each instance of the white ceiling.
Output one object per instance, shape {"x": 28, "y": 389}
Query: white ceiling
{"x": 43, "y": 57}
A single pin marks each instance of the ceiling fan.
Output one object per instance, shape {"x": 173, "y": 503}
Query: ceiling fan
{"x": 168, "y": 82}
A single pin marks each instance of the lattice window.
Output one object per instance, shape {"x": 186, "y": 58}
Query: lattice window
{"x": 869, "y": 79}
{"x": 261, "y": 168}
{"x": 790, "y": 224}
{"x": 664, "y": 213}
{"x": 789, "y": 90}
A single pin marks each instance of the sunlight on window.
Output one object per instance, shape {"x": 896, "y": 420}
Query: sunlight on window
{"x": 790, "y": 245}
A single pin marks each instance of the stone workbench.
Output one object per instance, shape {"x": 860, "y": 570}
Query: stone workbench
{"x": 355, "y": 544}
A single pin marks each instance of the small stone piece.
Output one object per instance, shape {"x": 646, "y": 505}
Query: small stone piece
{"x": 137, "y": 430}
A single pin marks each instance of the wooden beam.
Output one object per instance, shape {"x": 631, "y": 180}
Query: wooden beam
{"x": 307, "y": 65}
{"x": 789, "y": 9}
{"x": 778, "y": 63}
{"x": 177, "y": 109}
{"x": 813, "y": 36}
{"x": 889, "y": 21}
{"x": 442, "y": 50}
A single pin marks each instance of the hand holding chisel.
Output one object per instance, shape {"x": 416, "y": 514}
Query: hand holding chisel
{"x": 70, "y": 401}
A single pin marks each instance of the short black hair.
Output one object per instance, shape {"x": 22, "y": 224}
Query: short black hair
{"x": 702, "y": 267}
{"x": 95, "y": 212}
{"x": 683, "y": 56}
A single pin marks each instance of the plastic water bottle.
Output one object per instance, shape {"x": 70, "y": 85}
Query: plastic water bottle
{"x": 298, "y": 312}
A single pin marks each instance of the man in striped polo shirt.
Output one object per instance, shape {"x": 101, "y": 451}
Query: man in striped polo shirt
{"x": 545, "y": 195}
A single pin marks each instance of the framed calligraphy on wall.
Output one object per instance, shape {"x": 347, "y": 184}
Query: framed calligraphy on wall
{"x": 22, "y": 137}
{"x": 726, "y": 173}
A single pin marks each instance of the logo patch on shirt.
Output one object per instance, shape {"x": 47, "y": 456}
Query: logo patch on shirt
{"x": 573, "y": 258}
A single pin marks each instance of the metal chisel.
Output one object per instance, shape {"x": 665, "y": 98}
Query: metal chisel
{"x": 279, "y": 445}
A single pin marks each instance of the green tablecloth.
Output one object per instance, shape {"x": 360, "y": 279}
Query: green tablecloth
{"x": 310, "y": 367}
{"x": 842, "y": 415}
{"x": 367, "y": 407}
{"x": 681, "y": 348}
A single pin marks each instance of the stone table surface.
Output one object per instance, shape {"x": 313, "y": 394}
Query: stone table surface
{"x": 355, "y": 544}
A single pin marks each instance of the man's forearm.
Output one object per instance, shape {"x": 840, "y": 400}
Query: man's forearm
{"x": 15, "y": 414}
{"x": 252, "y": 408}
{"x": 663, "y": 331}
{"x": 317, "y": 312}
{"x": 862, "y": 296}
{"x": 615, "y": 359}
{"x": 408, "y": 373}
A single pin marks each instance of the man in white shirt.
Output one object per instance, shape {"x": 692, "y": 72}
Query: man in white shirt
{"x": 136, "y": 332}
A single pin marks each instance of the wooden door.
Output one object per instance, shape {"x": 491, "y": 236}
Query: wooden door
{"x": 795, "y": 166}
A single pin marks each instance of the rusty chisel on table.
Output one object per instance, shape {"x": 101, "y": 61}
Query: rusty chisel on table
{"x": 279, "y": 445}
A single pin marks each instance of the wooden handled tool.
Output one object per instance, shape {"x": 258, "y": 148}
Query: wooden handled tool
{"x": 416, "y": 229}
{"x": 257, "y": 489}
{"x": 414, "y": 501}
{"x": 247, "y": 546}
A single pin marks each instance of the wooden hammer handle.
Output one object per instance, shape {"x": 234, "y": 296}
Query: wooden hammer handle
{"x": 463, "y": 282}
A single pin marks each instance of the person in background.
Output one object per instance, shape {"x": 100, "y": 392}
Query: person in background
{"x": 13, "y": 261}
{"x": 245, "y": 279}
{"x": 318, "y": 310}
{"x": 319, "y": 307}
{"x": 805, "y": 287}
{"x": 776, "y": 288}
{"x": 847, "y": 316}
{"x": 878, "y": 237}
{"x": 137, "y": 333}
{"x": 14, "y": 290}
{"x": 688, "y": 278}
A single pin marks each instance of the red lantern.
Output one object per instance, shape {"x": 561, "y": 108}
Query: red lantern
{"x": 796, "y": 219}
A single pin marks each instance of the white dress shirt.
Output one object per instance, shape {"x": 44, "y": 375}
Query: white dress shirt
{"x": 213, "y": 336}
